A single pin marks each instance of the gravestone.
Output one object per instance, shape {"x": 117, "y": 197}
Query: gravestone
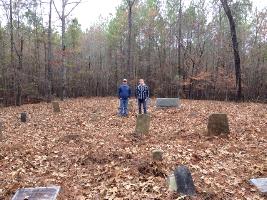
{"x": 184, "y": 181}
{"x": 167, "y": 102}
{"x": 218, "y": 124}
{"x": 142, "y": 124}
{"x": 157, "y": 155}
{"x": 23, "y": 117}
{"x": 39, "y": 193}
{"x": 261, "y": 184}
{"x": 56, "y": 107}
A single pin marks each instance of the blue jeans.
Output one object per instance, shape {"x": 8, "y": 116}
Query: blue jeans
{"x": 140, "y": 103}
{"x": 124, "y": 107}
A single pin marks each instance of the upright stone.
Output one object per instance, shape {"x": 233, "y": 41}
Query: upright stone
{"x": 184, "y": 181}
{"x": 167, "y": 102}
{"x": 56, "y": 107}
{"x": 157, "y": 155}
{"x": 23, "y": 117}
{"x": 142, "y": 124}
{"x": 218, "y": 124}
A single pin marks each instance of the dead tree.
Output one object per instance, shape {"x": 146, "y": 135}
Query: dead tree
{"x": 235, "y": 48}
{"x": 63, "y": 16}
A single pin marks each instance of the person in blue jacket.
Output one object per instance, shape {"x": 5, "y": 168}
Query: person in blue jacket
{"x": 124, "y": 93}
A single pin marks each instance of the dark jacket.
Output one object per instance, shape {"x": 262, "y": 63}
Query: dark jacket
{"x": 142, "y": 92}
{"x": 124, "y": 91}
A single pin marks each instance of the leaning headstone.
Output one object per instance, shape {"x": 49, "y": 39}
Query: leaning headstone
{"x": 167, "y": 102}
{"x": 142, "y": 124}
{"x": 39, "y": 193}
{"x": 157, "y": 155}
{"x": 56, "y": 107}
{"x": 23, "y": 117}
{"x": 184, "y": 181}
{"x": 261, "y": 184}
{"x": 218, "y": 124}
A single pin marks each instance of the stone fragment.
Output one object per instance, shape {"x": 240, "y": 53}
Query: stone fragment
{"x": 260, "y": 184}
{"x": 157, "y": 155}
{"x": 23, "y": 117}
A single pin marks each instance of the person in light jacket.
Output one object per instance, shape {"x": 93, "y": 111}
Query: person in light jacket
{"x": 142, "y": 96}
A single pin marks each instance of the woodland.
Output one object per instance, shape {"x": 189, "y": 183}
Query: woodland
{"x": 197, "y": 49}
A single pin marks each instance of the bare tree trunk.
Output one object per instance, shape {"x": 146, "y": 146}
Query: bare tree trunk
{"x": 63, "y": 48}
{"x": 12, "y": 47}
{"x": 49, "y": 59}
{"x": 235, "y": 48}
{"x": 129, "y": 61}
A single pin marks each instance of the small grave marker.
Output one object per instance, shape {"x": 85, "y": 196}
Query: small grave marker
{"x": 181, "y": 181}
{"x": 218, "y": 124}
{"x": 261, "y": 184}
{"x": 23, "y": 117}
{"x": 56, "y": 107}
{"x": 157, "y": 155}
{"x": 142, "y": 124}
{"x": 39, "y": 193}
{"x": 167, "y": 102}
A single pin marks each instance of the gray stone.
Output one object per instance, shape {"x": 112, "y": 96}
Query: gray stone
{"x": 157, "y": 155}
{"x": 261, "y": 184}
{"x": 23, "y": 117}
{"x": 56, "y": 107}
{"x": 218, "y": 124}
{"x": 142, "y": 124}
{"x": 167, "y": 102}
{"x": 184, "y": 181}
{"x": 39, "y": 193}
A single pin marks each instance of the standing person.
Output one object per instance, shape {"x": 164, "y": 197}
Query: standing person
{"x": 142, "y": 95}
{"x": 124, "y": 94}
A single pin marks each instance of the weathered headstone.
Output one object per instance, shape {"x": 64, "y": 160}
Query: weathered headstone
{"x": 167, "y": 102}
{"x": 184, "y": 181}
{"x": 218, "y": 124}
{"x": 23, "y": 117}
{"x": 142, "y": 124}
{"x": 157, "y": 155}
{"x": 261, "y": 184}
{"x": 56, "y": 107}
{"x": 39, "y": 193}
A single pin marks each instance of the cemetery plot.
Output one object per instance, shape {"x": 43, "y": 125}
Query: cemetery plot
{"x": 100, "y": 159}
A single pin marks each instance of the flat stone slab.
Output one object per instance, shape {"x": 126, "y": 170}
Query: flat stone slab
{"x": 167, "y": 102}
{"x": 39, "y": 193}
{"x": 261, "y": 184}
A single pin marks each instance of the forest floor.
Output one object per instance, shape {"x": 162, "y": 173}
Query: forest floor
{"x": 92, "y": 154}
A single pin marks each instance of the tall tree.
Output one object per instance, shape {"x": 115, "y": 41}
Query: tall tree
{"x": 235, "y": 48}
{"x": 130, "y": 4}
{"x": 49, "y": 54}
{"x": 63, "y": 16}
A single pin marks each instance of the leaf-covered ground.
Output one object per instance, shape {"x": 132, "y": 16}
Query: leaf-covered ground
{"x": 92, "y": 154}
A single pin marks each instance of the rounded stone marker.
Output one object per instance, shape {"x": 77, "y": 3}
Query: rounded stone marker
{"x": 184, "y": 181}
{"x": 56, "y": 107}
{"x": 23, "y": 117}
{"x": 218, "y": 124}
{"x": 157, "y": 155}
